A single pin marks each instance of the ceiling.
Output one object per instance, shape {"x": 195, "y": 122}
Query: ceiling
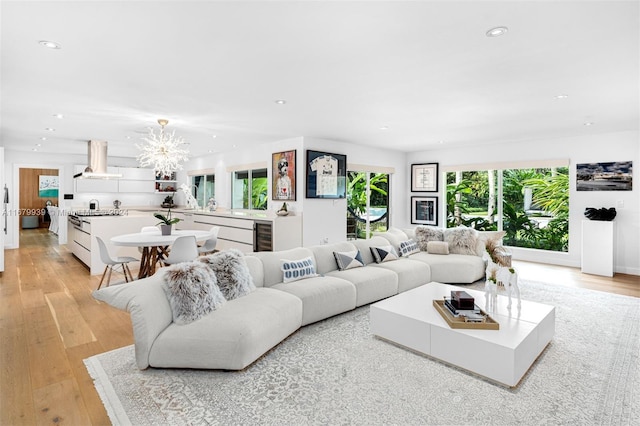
{"x": 409, "y": 76}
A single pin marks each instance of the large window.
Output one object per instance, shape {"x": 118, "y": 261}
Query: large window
{"x": 203, "y": 188}
{"x": 249, "y": 189}
{"x": 367, "y": 203}
{"x": 530, "y": 204}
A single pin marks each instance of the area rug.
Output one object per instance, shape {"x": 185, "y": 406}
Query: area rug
{"x": 335, "y": 372}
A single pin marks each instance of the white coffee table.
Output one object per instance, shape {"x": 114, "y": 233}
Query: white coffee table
{"x": 409, "y": 319}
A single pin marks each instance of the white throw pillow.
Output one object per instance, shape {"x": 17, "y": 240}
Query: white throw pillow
{"x": 294, "y": 270}
{"x": 437, "y": 247}
{"x": 408, "y": 248}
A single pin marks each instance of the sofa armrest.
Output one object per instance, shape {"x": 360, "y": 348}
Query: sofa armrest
{"x": 147, "y": 303}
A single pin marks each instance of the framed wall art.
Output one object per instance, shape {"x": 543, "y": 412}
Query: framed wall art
{"x": 48, "y": 186}
{"x": 616, "y": 176}
{"x": 424, "y": 177}
{"x": 424, "y": 210}
{"x": 283, "y": 175}
{"x": 326, "y": 175}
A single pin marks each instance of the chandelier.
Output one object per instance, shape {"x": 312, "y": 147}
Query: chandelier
{"x": 163, "y": 151}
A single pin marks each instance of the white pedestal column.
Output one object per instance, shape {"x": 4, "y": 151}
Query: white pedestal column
{"x": 597, "y": 247}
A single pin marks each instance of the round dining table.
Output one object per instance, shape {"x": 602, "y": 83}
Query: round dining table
{"x": 155, "y": 245}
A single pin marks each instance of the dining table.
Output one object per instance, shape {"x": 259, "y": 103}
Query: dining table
{"x": 155, "y": 246}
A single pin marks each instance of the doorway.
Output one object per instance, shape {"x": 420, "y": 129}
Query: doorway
{"x": 37, "y": 191}
{"x": 367, "y": 203}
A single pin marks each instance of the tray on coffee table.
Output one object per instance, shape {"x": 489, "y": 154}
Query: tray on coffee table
{"x": 461, "y": 322}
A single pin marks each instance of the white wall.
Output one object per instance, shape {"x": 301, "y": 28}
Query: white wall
{"x": 327, "y": 218}
{"x": 621, "y": 146}
{"x": 321, "y": 218}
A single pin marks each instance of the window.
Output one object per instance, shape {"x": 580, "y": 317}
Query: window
{"x": 530, "y": 204}
{"x": 203, "y": 188}
{"x": 249, "y": 189}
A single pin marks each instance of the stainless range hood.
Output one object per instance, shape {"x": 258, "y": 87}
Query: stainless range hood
{"x": 97, "y": 168}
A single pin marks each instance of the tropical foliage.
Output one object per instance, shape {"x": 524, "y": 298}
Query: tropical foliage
{"x": 357, "y": 198}
{"x": 545, "y": 223}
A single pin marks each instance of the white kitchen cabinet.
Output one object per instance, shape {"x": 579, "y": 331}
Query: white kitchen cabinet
{"x": 136, "y": 173}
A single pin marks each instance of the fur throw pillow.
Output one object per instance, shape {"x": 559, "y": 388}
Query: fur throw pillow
{"x": 424, "y": 234}
{"x": 192, "y": 291}
{"x": 462, "y": 240}
{"x": 232, "y": 273}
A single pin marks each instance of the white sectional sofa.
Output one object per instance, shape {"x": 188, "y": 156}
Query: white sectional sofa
{"x": 241, "y": 330}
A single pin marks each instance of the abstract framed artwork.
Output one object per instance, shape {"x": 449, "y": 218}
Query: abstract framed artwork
{"x": 424, "y": 210}
{"x": 424, "y": 177}
{"x": 614, "y": 176}
{"x": 48, "y": 186}
{"x": 283, "y": 175}
{"x": 326, "y": 175}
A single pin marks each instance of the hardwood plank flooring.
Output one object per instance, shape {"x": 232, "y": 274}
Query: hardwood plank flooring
{"x": 49, "y": 323}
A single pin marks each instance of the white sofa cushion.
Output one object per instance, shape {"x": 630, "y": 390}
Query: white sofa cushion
{"x": 272, "y": 263}
{"x": 231, "y": 337}
{"x": 322, "y": 297}
{"x": 411, "y": 273}
{"x": 453, "y": 268}
{"x": 371, "y": 283}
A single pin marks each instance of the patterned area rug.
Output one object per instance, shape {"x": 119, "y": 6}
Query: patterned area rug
{"x": 335, "y": 372}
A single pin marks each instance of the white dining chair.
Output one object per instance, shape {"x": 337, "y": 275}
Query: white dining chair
{"x": 209, "y": 245}
{"x": 183, "y": 249}
{"x": 121, "y": 261}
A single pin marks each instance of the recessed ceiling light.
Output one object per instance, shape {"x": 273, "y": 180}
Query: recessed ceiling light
{"x": 563, "y": 96}
{"x": 210, "y": 151}
{"x": 588, "y": 123}
{"x": 43, "y": 138}
{"x": 280, "y": 101}
{"x": 59, "y": 116}
{"x": 214, "y": 136}
{"x": 34, "y": 149}
{"x": 127, "y": 137}
{"x": 384, "y": 128}
{"x": 49, "y": 129}
{"x": 497, "y": 31}
{"x": 50, "y": 44}
{"x": 440, "y": 142}
{"x": 38, "y": 144}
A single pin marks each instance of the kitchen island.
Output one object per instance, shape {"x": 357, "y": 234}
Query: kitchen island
{"x": 81, "y": 237}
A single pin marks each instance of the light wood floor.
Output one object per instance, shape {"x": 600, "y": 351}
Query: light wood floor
{"x": 49, "y": 323}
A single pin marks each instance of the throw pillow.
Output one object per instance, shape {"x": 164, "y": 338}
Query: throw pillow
{"x": 424, "y": 234}
{"x": 408, "y": 248}
{"x": 294, "y": 270}
{"x": 192, "y": 291}
{"x": 231, "y": 271}
{"x": 348, "y": 259}
{"x": 462, "y": 240}
{"x": 384, "y": 254}
{"x": 438, "y": 247}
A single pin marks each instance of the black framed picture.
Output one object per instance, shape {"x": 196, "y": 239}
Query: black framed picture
{"x": 424, "y": 177}
{"x": 424, "y": 210}
{"x": 283, "y": 175}
{"x": 326, "y": 175}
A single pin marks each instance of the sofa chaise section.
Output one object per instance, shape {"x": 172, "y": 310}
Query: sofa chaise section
{"x": 229, "y": 338}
